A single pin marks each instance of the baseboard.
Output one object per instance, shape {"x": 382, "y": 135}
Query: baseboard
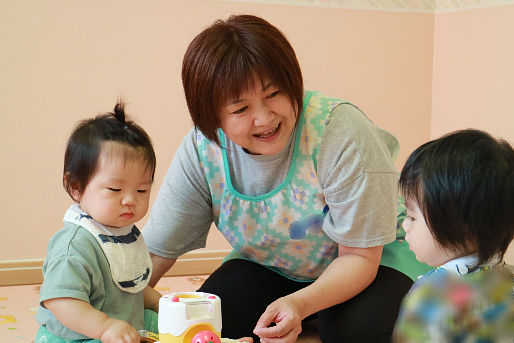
{"x": 198, "y": 263}
{"x": 21, "y": 272}
{"x": 29, "y": 271}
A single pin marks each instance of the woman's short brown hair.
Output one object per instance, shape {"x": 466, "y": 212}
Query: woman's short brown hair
{"x": 221, "y": 62}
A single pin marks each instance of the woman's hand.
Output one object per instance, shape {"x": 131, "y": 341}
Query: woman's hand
{"x": 350, "y": 273}
{"x": 286, "y": 313}
{"x": 119, "y": 331}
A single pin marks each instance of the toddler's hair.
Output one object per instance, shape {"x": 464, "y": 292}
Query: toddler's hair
{"x": 85, "y": 143}
{"x": 463, "y": 183}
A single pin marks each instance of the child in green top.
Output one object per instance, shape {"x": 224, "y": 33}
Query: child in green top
{"x": 97, "y": 268}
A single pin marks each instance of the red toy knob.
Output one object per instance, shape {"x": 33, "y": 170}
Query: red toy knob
{"x": 206, "y": 337}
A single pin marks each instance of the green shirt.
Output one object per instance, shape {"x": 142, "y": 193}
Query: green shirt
{"x": 76, "y": 267}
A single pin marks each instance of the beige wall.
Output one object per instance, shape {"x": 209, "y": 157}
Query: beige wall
{"x": 474, "y": 74}
{"x": 62, "y": 61}
{"x": 66, "y": 60}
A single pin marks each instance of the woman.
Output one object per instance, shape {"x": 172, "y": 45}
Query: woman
{"x": 302, "y": 186}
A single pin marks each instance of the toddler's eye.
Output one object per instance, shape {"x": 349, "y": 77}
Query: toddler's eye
{"x": 142, "y": 190}
{"x": 114, "y": 189}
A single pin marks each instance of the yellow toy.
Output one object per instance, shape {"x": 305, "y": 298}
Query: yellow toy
{"x": 189, "y": 317}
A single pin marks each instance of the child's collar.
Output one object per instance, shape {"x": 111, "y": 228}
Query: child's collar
{"x": 467, "y": 264}
{"x": 462, "y": 265}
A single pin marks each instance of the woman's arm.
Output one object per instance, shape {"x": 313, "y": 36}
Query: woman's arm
{"x": 181, "y": 215}
{"x": 160, "y": 266}
{"x": 81, "y": 317}
{"x": 346, "y": 276}
{"x": 359, "y": 181}
{"x": 151, "y": 298}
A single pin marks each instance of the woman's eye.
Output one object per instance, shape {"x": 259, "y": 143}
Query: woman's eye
{"x": 274, "y": 94}
{"x": 114, "y": 189}
{"x": 410, "y": 218}
{"x": 142, "y": 190}
{"x": 241, "y": 110}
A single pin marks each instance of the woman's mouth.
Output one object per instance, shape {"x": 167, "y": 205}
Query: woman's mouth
{"x": 268, "y": 134}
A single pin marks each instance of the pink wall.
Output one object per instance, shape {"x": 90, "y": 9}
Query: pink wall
{"x": 474, "y": 72}
{"x": 473, "y": 83}
{"x": 63, "y": 61}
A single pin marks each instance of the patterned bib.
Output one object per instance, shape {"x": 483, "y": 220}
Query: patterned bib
{"x": 282, "y": 229}
{"x": 129, "y": 260}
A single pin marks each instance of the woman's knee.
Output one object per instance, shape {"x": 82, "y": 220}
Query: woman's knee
{"x": 369, "y": 316}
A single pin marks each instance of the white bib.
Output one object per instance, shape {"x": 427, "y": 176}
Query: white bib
{"x": 124, "y": 248}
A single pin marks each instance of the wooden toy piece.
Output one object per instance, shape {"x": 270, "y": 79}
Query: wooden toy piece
{"x": 147, "y": 336}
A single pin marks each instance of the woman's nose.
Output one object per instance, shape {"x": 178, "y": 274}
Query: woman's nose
{"x": 263, "y": 115}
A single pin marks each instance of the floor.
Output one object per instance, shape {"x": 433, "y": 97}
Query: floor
{"x": 18, "y": 305}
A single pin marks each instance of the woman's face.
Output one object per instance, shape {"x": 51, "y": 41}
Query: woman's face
{"x": 261, "y": 120}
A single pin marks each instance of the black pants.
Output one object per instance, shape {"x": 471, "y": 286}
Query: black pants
{"x": 247, "y": 288}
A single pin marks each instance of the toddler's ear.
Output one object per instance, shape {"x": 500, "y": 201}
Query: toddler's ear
{"x": 75, "y": 194}
{"x": 71, "y": 187}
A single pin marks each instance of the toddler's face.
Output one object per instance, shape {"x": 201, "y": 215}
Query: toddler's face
{"x": 420, "y": 239}
{"x": 118, "y": 193}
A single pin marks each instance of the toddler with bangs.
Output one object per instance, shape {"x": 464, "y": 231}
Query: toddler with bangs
{"x": 97, "y": 268}
{"x": 459, "y": 195}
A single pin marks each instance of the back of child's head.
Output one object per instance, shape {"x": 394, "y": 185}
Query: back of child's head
{"x": 463, "y": 183}
{"x": 87, "y": 139}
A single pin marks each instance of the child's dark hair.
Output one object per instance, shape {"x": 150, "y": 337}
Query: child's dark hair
{"x": 85, "y": 143}
{"x": 463, "y": 183}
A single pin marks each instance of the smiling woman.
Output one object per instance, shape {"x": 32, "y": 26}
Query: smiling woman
{"x": 302, "y": 185}
{"x": 261, "y": 120}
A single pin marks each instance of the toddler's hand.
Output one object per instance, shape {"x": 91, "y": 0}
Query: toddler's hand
{"x": 119, "y": 331}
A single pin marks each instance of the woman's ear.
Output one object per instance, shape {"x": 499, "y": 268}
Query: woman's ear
{"x": 71, "y": 187}
{"x": 297, "y": 110}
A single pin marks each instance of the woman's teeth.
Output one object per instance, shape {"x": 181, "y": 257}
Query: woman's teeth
{"x": 269, "y": 133}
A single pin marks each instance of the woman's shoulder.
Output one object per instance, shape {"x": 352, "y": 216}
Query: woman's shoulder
{"x": 187, "y": 152}
{"x": 194, "y": 142}
{"x": 347, "y": 117}
{"x": 318, "y": 99}
{"x": 349, "y": 122}
{"x": 191, "y": 139}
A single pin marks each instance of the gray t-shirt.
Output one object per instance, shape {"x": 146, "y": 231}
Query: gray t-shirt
{"x": 355, "y": 170}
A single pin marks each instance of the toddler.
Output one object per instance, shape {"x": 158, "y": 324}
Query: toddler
{"x": 97, "y": 267}
{"x": 459, "y": 195}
